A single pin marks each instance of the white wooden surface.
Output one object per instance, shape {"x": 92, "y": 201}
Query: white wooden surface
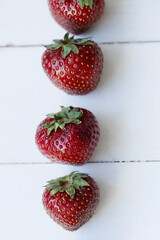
{"x": 126, "y": 104}
{"x": 129, "y": 207}
{"x": 29, "y": 22}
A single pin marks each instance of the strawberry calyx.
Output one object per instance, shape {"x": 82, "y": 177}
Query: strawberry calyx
{"x": 68, "y": 44}
{"x": 65, "y": 116}
{"x": 83, "y": 3}
{"x": 68, "y": 183}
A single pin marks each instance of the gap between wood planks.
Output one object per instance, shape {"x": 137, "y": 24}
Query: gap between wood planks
{"x": 90, "y": 162}
{"x": 101, "y": 43}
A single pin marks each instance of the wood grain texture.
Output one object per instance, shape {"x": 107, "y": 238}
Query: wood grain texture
{"x": 29, "y": 22}
{"x": 126, "y": 103}
{"x": 129, "y": 208}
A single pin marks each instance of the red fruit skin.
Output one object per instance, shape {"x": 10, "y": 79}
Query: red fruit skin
{"x": 76, "y": 74}
{"x": 74, "y": 19}
{"x": 72, "y": 213}
{"x": 74, "y": 145}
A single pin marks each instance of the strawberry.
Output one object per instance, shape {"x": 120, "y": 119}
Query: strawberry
{"x": 69, "y": 136}
{"x": 71, "y": 200}
{"x": 73, "y": 65}
{"x": 76, "y": 16}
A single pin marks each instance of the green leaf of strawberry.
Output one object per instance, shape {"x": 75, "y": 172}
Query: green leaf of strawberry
{"x": 67, "y": 115}
{"x": 67, "y": 183}
{"x": 68, "y": 44}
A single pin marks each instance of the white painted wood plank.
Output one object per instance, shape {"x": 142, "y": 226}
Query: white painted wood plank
{"x": 129, "y": 208}
{"x": 126, "y": 103}
{"x": 29, "y": 22}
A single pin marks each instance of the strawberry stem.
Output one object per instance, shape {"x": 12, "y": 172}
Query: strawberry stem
{"x": 83, "y": 3}
{"x": 65, "y": 116}
{"x": 69, "y": 183}
{"x": 68, "y": 44}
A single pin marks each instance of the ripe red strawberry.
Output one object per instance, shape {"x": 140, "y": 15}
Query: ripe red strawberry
{"x": 76, "y": 16}
{"x": 71, "y": 200}
{"x": 73, "y": 65}
{"x": 69, "y": 136}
